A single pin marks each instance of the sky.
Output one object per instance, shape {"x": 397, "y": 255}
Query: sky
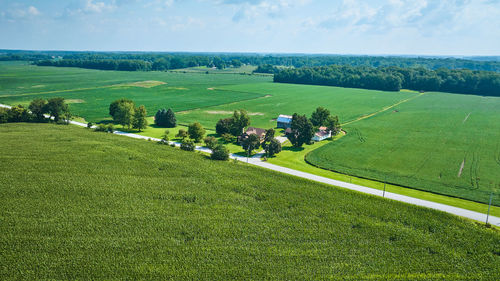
{"x": 413, "y": 27}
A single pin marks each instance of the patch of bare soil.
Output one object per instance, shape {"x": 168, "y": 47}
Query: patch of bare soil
{"x": 466, "y": 117}
{"x": 461, "y": 168}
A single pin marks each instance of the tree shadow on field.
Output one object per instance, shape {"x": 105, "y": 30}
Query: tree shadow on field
{"x": 293, "y": 148}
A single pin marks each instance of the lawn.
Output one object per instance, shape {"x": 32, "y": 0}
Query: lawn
{"x": 77, "y": 204}
{"x": 443, "y": 143}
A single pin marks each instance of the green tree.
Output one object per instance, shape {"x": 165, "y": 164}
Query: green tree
{"x": 239, "y": 121}
{"x": 332, "y": 124}
{"x": 110, "y": 128}
{"x": 273, "y": 147}
{"x": 196, "y": 131}
{"x": 182, "y": 134}
{"x": 4, "y": 115}
{"x": 269, "y": 135}
{"x": 170, "y": 120}
{"x": 210, "y": 142}
{"x": 57, "y": 108}
{"x": 89, "y": 125}
{"x": 319, "y": 116}
{"x": 223, "y": 126}
{"x": 124, "y": 114}
{"x": 18, "y": 113}
{"x": 122, "y": 111}
{"x": 140, "y": 121}
{"x": 38, "y": 108}
{"x": 220, "y": 152}
{"x": 165, "y": 118}
{"x": 188, "y": 145}
{"x": 302, "y": 130}
{"x": 250, "y": 143}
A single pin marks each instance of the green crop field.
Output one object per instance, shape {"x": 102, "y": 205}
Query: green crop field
{"x": 91, "y": 91}
{"x": 76, "y": 204}
{"x": 444, "y": 143}
{"x": 278, "y": 98}
{"x": 405, "y": 138}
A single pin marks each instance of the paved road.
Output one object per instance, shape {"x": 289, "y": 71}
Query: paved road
{"x": 402, "y": 198}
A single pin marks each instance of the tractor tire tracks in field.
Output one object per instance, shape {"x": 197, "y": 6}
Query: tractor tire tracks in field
{"x": 382, "y": 110}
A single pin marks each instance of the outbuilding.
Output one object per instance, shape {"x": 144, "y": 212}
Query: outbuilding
{"x": 284, "y": 121}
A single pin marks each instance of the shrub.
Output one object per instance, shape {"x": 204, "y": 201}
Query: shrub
{"x": 227, "y": 138}
{"x": 220, "y": 152}
{"x": 196, "y": 131}
{"x": 110, "y": 128}
{"x": 188, "y": 145}
{"x": 4, "y": 115}
{"x": 89, "y": 125}
{"x": 101, "y": 128}
{"x": 182, "y": 134}
{"x": 210, "y": 142}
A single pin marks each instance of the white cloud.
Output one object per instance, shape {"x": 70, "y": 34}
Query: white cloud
{"x": 92, "y": 6}
{"x": 33, "y": 11}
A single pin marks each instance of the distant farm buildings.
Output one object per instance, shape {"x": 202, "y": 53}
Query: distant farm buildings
{"x": 321, "y": 134}
{"x": 284, "y": 121}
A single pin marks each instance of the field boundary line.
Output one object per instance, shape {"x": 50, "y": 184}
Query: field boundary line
{"x": 382, "y": 110}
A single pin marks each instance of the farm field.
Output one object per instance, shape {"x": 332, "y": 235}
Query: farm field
{"x": 90, "y": 92}
{"x": 279, "y": 98}
{"x": 118, "y": 208}
{"x": 444, "y": 143}
{"x": 417, "y": 143}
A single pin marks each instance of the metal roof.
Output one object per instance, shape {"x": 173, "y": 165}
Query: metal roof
{"x": 284, "y": 118}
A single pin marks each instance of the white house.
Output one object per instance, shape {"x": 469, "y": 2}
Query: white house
{"x": 321, "y": 134}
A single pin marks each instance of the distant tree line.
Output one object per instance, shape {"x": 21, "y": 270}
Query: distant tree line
{"x": 165, "y": 61}
{"x": 395, "y": 78}
{"x": 106, "y": 64}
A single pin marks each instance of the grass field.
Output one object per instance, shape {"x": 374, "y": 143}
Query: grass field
{"x": 76, "y": 204}
{"x": 91, "y": 91}
{"x": 444, "y": 143}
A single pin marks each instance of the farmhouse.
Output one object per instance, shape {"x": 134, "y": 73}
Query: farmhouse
{"x": 321, "y": 134}
{"x": 261, "y": 133}
{"x": 284, "y": 121}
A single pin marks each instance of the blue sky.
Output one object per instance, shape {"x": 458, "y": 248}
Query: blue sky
{"x": 454, "y": 27}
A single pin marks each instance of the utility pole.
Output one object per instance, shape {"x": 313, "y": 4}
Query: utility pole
{"x": 489, "y": 206}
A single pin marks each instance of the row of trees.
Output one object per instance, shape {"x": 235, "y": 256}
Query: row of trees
{"x": 394, "y": 78}
{"x": 233, "y": 125}
{"x": 302, "y": 129}
{"x": 164, "y": 61}
{"x": 125, "y": 113}
{"x": 39, "y": 110}
{"x": 102, "y": 64}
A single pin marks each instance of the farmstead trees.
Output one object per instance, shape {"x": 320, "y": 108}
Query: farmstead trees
{"x": 301, "y": 130}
